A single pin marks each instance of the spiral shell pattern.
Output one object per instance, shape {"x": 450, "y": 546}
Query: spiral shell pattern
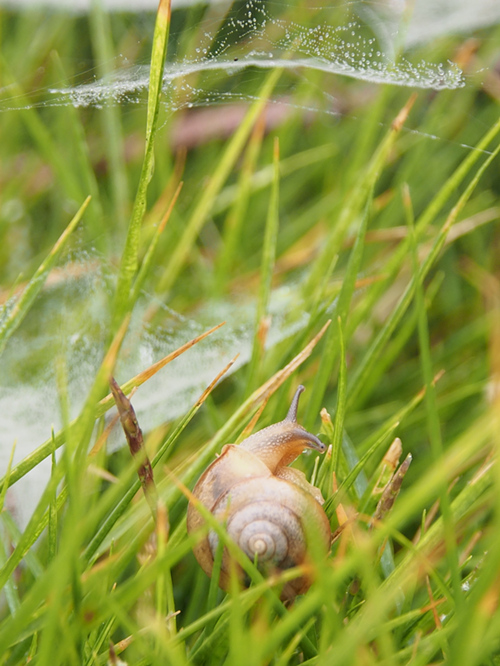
{"x": 265, "y": 517}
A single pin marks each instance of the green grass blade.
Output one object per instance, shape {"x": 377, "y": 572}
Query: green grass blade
{"x": 341, "y": 405}
{"x": 13, "y": 319}
{"x": 355, "y": 201}
{"x": 433, "y": 422}
{"x": 215, "y": 183}
{"x": 52, "y": 517}
{"x": 342, "y": 310}
{"x": 6, "y": 479}
{"x": 266, "y": 274}
{"x": 10, "y": 587}
{"x": 102, "y": 45}
{"x": 150, "y": 253}
{"x": 129, "y": 262}
{"x": 363, "y": 370}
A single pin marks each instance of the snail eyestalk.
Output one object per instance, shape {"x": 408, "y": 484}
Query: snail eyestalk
{"x": 292, "y": 412}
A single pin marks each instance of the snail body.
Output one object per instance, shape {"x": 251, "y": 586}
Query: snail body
{"x": 270, "y": 510}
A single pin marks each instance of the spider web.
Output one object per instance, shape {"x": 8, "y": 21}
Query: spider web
{"x": 373, "y": 41}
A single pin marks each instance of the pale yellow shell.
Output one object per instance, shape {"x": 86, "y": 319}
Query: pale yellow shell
{"x": 270, "y": 510}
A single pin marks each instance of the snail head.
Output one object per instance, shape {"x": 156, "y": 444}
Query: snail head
{"x": 280, "y": 444}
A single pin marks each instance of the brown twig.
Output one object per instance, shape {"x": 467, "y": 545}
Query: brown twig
{"x": 133, "y": 433}
{"x": 391, "y": 491}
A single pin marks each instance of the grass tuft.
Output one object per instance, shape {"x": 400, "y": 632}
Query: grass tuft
{"x": 360, "y": 261}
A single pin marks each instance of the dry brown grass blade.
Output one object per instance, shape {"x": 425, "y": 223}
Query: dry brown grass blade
{"x": 103, "y": 437}
{"x": 143, "y": 376}
{"x": 135, "y": 441}
{"x": 263, "y": 393}
{"x": 214, "y": 382}
{"x": 433, "y": 604}
{"x": 392, "y": 489}
{"x": 170, "y": 208}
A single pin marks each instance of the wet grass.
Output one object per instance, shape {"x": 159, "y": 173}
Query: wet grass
{"x": 387, "y": 238}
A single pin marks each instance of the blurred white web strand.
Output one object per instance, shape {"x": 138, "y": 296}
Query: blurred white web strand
{"x": 71, "y": 322}
{"x": 431, "y": 19}
{"x": 127, "y": 84}
{"x": 255, "y": 39}
{"x": 426, "y": 19}
{"x": 83, "y": 6}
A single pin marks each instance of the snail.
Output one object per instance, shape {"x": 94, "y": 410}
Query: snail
{"x": 269, "y": 509}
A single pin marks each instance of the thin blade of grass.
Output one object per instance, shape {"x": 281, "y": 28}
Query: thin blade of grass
{"x": 338, "y": 428}
{"x": 375, "y": 349}
{"x": 214, "y": 583}
{"x": 52, "y": 517}
{"x": 215, "y": 183}
{"x": 100, "y": 640}
{"x": 235, "y": 217}
{"x": 150, "y": 253}
{"x": 129, "y": 261}
{"x": 6, "y": 478}
{"x": 10, "y": 587}
{"x": 355, "y": 202}
{"x": 342, "y": 310}
{"x": 266, "y": 273}
{"x": 102, "y": 45}
{"x": 14, "y": 318}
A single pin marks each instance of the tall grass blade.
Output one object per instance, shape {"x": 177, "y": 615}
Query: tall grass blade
{"x": 375, "y": 349}
{"x": 13, "y": 318}
{"x": 213, "y": 186}
{"x": 102, "y": 44}
{"x": 129, "y": 262}
{"x": 266, "y": 273}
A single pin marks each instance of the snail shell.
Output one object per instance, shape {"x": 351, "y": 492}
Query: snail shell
{"x": 270, "y": 510}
